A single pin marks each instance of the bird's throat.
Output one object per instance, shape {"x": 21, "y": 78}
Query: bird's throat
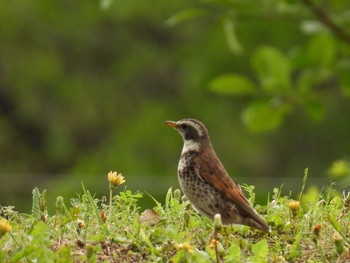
{"x": 190, "y": 145}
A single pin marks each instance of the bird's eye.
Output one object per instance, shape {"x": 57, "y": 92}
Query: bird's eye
{"x": 184, "y": 126}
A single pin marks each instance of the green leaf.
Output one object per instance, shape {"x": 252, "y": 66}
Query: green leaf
{"x": 41, "y": 243}
{"x": 93, "y": 205}
{"x": 295, "y": 249}
{"x": 184, "y": 15}
{"x": 232, "y": 84}
{"x": 64, "y": 255}
{"x": 147, "y": 241}
{"x": 260, "y": 251}
{"x": 321, "y": 50}
{"x": 200, "y": 256}
{"x": 335, "y": 223}
{"x": 273, "y": 69}
{"x": 306, "y": 173}
{"x": 43, "y": 201}
{"x": 232, "y": 40}
{"x": 263, "y": 116}
{"x": 36, "y": 204}
{"x": 233, "y": 254}
{"x": 337, "y": 226}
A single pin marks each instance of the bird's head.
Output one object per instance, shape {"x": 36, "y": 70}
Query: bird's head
{"x": 192, "y": 131}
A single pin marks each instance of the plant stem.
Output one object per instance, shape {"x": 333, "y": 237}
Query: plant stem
{"x": 110, "y": 202}
{"x": 325, "y": 19}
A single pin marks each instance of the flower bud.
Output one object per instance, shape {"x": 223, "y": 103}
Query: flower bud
{"x": 177, "y": 194}
{"x": 184, "y": 198}
{"x": 217, "y": 222}
{"x": 103, "y": 215}
{"x": 59, "y": 202}
{"x": 317, "y": 229}
{"x": 294, "y": 207}
{"x": 81, "y": 223}
{"x": 187, "y": 218}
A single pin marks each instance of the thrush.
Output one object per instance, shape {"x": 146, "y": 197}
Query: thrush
{"x": 205, "y": 182}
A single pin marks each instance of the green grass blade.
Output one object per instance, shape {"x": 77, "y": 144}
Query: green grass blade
{"x": 36, "y": 204}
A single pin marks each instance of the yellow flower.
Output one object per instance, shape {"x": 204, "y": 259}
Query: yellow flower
{"x": 115, "y": 179}
{"x": 185, "y": 246}
{"x": 213, "y": 243}
{"x": 4, "y": 227}
{"x": 216, "y": 245}
{"x": 294, "y": 207}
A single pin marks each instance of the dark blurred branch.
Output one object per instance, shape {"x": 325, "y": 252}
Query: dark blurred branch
{"x": 326, "y": 20}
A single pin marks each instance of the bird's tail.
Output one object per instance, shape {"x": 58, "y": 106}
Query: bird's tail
{"x": 257, "y": 223}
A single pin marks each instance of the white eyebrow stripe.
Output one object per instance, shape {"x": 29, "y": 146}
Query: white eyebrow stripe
{"x": 198, "y": 128}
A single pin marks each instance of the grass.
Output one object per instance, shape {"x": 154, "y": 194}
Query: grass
{"x": 314, "y": 228}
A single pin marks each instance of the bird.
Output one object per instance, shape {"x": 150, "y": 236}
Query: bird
{"x": 205, "y": 182}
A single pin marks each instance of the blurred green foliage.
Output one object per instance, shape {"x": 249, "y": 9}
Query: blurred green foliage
{"x": 85, "y": 86}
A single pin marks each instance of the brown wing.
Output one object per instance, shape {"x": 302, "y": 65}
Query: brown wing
{"x": 212, "y": 171}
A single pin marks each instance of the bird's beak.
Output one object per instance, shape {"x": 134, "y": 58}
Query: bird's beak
{"x": 170, "y": 123}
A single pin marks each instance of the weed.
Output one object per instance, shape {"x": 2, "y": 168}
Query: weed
{"x": 91, "y": 229}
